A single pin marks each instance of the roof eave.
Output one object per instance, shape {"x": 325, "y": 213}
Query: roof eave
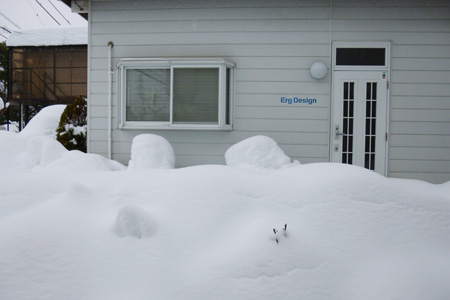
{"x": 69, "y": 4}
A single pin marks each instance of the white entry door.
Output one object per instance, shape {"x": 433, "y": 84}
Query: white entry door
{"x": 359, "y": 135}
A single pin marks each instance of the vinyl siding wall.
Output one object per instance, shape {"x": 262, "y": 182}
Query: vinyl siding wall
{"x": 419, "y": 140}
{"x": 273, "y": 44}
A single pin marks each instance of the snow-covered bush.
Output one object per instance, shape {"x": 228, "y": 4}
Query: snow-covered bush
{"x": 150, "y": 151}
{"x": 257, "y": 152}
{"x": 72, "y": 128}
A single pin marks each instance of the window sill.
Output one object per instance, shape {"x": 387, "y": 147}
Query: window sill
{"x": 146, "y": 126}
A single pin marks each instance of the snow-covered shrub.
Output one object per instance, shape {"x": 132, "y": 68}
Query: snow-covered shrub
{"x": 72, "y": 128}
{"x": 257, "y": 152}
{"x": 150, "y": 151}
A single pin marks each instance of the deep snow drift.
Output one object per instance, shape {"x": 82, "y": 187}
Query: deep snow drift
{"x": 207, "y": 232}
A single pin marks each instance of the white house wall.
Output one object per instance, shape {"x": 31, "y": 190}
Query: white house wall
{"x": 419, "y": 141}
{"x": 273, "y": 44}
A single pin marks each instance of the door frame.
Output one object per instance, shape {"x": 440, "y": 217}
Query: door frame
{"x": 386, "y": 67}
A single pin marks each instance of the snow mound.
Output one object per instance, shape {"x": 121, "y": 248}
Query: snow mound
{"x": 150, "y": 151}
{"x": 46, "y": 154}
{"x": 42, "y": 150}
{"x": 192, "y": 233}
{"x": 258, "y": 152}
{"x": 45, "y": 122}
{"x": 11, "y": 146}
{"x": 35, "y": 148}
{"x": 14, "y": 147}
{"x": 134, "y": 221}
{"x": 415, "y": 275}
{"x": 80, "y": 162}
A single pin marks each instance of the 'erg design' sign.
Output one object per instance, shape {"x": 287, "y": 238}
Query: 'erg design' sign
{"x": 296, "y": 100}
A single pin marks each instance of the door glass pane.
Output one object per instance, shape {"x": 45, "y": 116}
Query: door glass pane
{"x": 346, "y": 90}
{"x": 148, "y": 95}
{"x": 370, "y": 130}
{"x": 196, "y": 95}
{"x": 347, "y": 121}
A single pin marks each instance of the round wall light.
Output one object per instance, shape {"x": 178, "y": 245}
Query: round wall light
{"x": 318, "y": 70}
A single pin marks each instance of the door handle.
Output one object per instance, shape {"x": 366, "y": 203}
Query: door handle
{"x": 337, "y": 133}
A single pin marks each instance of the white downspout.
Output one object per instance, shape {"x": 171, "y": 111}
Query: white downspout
{"x": 110, "y": 75}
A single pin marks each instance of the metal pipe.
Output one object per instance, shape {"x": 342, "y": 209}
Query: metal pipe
{"x": 110, "y": 75}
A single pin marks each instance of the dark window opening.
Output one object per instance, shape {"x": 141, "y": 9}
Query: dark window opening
{"x": 360, "y": 56}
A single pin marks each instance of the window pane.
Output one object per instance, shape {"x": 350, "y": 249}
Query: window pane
{"x": 195, "y": 95}
{"x": 227, "y": 99}
{"x": 360, "y": 56}
{"x": 148, "y": 95}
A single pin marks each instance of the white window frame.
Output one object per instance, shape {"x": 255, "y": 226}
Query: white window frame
{"x": 158, "y": 63}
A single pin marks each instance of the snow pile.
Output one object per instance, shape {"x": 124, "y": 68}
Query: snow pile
{"x": 80, "y": 162}
{"x": 207, "y": 232}
{"x": 13, "y": 146}
{"x": 57, "y": 36}
{"x": 149, "y": 151}
{"x": 46, "y": 154}
{"x": 35, "y": 148}
{"x": 135, "y": 222}
{"x": 45, "y": 122}
{"x": 214, "y": 232}
{"x": 257, "y": 152}
{"x": 42, "y": 150}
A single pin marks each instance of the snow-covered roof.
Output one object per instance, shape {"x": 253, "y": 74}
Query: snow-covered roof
{"x": 59, "y": 36}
